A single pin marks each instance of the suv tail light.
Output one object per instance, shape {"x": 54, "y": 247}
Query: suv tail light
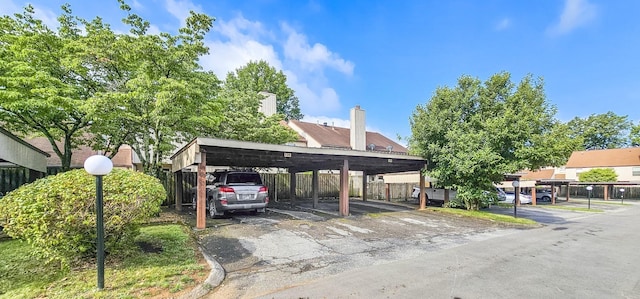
{"x": 263, "y": 189}
{"x": 227, "y": 189}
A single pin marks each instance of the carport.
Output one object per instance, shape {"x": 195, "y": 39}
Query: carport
{"x": 15, "y": 152}
{"x": 204, "y": 152}
{"x": 553, "y": 183}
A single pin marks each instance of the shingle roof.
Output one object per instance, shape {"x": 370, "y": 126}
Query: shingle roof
{"x": 122, "y": 159}
{"x": 541, "y": 174}
{"x": 605, "y": 158}
{"x": 337, "y": 137}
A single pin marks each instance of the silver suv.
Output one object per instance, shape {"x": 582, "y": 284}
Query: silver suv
{"x": 234, "y": 190}
{"x": 543, "y": 195}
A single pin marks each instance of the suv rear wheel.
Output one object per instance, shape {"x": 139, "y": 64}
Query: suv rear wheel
{"x": 213, "y": 212}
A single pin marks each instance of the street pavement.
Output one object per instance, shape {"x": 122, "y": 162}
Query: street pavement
{"x": 576, "y": 255}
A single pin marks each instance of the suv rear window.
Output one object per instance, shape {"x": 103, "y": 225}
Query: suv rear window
{"x": 244, "y": 178}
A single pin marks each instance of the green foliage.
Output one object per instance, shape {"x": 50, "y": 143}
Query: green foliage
{"x": 601, "y": 131}
{"x": 473, "y": 134}
{"x": 56, "y": 214}
{"x": 157, "y": 89}
{"x": 260, "y": 76}
{"x": 599, "y": 175}
{"x": 634, "y": 135}
{"x": 242, "y": 121}
{"x": 44, "y": 80}
{"x": 134, "y": 274}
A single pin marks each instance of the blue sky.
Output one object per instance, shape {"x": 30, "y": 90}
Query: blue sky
{"x": 390, "y": 56}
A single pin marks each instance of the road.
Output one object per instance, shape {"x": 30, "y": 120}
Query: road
{"x": 596, "y": 256}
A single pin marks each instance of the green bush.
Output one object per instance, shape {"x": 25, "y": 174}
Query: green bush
{"x": 599, "y": 175}
{"x": 57, "y": 214}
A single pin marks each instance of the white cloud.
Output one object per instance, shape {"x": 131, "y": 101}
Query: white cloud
{"x": 136, "y": 4}
{"x": 576, "y": 13}
{"x": 312, "y": 58}
{"x": 503, "y": 24}
{"x": 180, "y": 9}
{"x": 48, "y": 17}
{"x": 153, "y": 29}
{"x": 238, "y": 44}
{"x": 235, "y": 42}
{"x": 9, "y": 8}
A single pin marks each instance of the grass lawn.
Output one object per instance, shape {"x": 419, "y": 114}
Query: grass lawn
{"x": 170, "y": 264}
{"x": 485, "y": 215}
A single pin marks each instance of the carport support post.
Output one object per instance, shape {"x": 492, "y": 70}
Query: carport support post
{"x": 292, "y": 186}
{"x": 314, "y": 187}
{"x": 202, "y": 192}
{"x": 533, "y": 196}
{"x": 364, "y": 186}
{"x": 178, "y": 196}
{"x": 344, "y": 189}
{"x": 423, "y": 201}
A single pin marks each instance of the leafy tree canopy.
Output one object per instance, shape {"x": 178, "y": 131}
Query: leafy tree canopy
{"x": 634, "y": 135}
{"x": 599, "y": 175}
{"x": 144, "y": 90}
{"x": 259, "y": 76}
{"x": 45, "y": 79}
{"x": 601, "y": 131}
{"x": 475, "y": 133}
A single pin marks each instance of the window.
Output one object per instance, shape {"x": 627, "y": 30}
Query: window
{"x": 635, "y": 171}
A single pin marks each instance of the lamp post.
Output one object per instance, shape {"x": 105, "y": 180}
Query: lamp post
{"x": 516, "y": 192}
{"x": 622, "y": 194}
{"x": 99, "y": 166}
{"x": 589, "y": 188}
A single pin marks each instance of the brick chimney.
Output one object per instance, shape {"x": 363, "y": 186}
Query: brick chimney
{"x": 358, "y": 138}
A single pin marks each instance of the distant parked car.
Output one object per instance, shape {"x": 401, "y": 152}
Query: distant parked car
{"x": 234, "y": 191}
{"x": 543, "y": 195}
{"x": 511, "y": 197}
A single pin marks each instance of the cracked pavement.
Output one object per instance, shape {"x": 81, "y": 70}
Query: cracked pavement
{"x": 265, "y": 253}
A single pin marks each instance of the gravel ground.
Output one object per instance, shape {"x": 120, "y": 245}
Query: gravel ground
{"x": 288, "y": 246}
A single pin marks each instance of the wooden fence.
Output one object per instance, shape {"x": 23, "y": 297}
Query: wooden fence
{"x": 630, "y": 192}
{"x": 328, "y": 187}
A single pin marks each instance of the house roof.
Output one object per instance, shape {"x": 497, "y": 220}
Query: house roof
{"x": 122, "y": 159}
{"x": 300, "y": 137}
{"x": 538, "y": 174}
{"x": 337, "y": 137}
{"x": 605, "y": 158}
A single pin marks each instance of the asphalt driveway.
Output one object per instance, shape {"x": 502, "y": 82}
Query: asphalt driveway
{"x": 286, "y": 247}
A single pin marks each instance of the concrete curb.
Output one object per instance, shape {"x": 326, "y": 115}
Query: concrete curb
{"x": 216, "y": 276}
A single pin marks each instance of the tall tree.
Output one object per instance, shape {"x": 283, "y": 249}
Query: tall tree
{"x": 242, "y": 121}
{"x": 45, "y": 80}
{"x": 157, "y": 88}
{"x": 601, "y": 131}
{"x": 634, "y": 135}
{"x": 160, "y": 97}
{"x": 474, "y": 134}
{"x": 259, "y": 76}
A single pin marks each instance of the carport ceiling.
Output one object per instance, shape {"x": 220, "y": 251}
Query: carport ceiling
{"x": 220, "y": 152}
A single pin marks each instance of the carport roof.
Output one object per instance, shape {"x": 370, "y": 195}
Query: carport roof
{"x": 221, "y": 152}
